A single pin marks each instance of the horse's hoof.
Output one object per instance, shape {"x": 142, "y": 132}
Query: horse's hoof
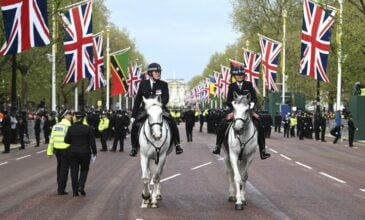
{"x": 147, "y": 201}
{"x": 244, "y": 202}
{"x": 146, "y": 197}
{"x": 232, "y": 199}
{"x": 154, "y": 205}
{"x": 239, "y": 206}
{"x": 159, "y": 197}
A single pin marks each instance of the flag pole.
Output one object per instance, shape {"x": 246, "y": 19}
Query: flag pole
{"x": 54, "y": 47}
{"x": 76, "y": 99}
{"x": 339, "y": 62}
{"x": 107, "y": 67}
{"x": 284, "y": 39}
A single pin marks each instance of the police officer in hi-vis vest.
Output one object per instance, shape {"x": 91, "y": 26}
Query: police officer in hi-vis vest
{"x": 241, "y": 87}
{"x": 58, "y": 146}
{"x": 148, "y": 88}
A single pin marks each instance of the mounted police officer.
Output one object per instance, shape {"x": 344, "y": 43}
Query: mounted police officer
{"x": 241, "y": 87}
{"x": 149, "y": 88}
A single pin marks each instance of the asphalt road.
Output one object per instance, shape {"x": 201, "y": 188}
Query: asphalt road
{"x": 302, "y": 180}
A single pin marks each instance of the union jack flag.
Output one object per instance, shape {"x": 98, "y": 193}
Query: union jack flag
{"x": 252, "y": 69}
{"x": 218, "y": 84}
{"x": 78, "y": 43}
{"x": 270, "y": 50}
{"x": 316, "y": 36}
{"x": 226, "y": 77}
{"x": 134, "y": 79}
{"x": 26, "y": 25}
{"x": 98, "y": 81}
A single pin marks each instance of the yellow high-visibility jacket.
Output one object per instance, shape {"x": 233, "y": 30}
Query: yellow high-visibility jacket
{"x": 103, "y": 124}
{"x": 57, "y": 140}
{"x": 293, "y": 122}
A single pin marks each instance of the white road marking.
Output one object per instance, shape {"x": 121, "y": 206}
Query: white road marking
{"x": 222, "y": 158}
{"x": 303, "y": 165}
{"x": 19, "y": 158}
{"x": 331, "y": 177}
{"x": 282, "y": 155}
{"x": 167, "y": 178}
{"x": 3, "y": 163}
{"x": 194, "y": 168}
{"x": 39, "y": 152}
{"x": 363, "y": 190}
{"x": 272, "y": 150}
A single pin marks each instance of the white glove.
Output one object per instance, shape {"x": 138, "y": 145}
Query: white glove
{"x": 252, "y": 104}
{"x": 132, "y": 120}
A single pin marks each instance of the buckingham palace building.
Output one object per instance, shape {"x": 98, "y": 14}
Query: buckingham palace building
{"x": 177, "y": 88}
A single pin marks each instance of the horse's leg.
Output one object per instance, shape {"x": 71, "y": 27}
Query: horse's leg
{"x": 229, "y": 172}
{"x": 146, "y": 179}
{"x": 246, "y": 164}
{"x": 237, "y": 180}
{"x": 156, "y": 181}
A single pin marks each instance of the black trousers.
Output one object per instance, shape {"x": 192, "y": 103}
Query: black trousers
{"x": 46, "y": 136}
{"x": 37, "y": 136}
{"x": 351, "y": 138}
{"x": 21, "y": 139}
{"x": 323, "y": 132}
{"x": 80, "y": 163}
{"x": 189, "y": 133}
{"x": 103, "y": 138}
{"x": 63, "y": 166}
{"x": 6, "y": 141}
{"x": 118, "y": 136}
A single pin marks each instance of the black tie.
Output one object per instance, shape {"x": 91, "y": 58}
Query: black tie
{"x": 153, "y": 88}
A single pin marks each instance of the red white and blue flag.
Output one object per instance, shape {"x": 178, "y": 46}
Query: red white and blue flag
{"x": 218, "y": 84}
{"x": 26, "y": 25}
{"x": 134, "y": 79}
{"x": 78, "y": 42}
{"x": 252, "y": 69}
{"x": 316, "y": 36}
{"x": 270, "y": 51}
{"x": 226, "y": 78}
{"x": 98, "y": 80}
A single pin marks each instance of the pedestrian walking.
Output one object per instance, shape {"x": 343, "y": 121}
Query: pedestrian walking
{"x": 352, "y": 128}
{"x": 37, "y": 129}
{"x": 120, "y": 127}
{"x": 81, "y": 139}
{"x": 189, "y": 117}
{"x": 6, "y": 131}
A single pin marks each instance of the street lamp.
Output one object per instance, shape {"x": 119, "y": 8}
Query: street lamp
{"x": 339, "y": 62}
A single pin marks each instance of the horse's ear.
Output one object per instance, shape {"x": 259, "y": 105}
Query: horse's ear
{"x": 235, "y": 95}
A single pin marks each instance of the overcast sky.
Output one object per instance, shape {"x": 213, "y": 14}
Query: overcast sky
{"x": 180, "y": 35}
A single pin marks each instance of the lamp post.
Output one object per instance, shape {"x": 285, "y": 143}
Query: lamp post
{"x": 284, "y": 39}
{"x": 53, "y": 57}
{"x": 107, "y": 67}
{"x": 339, "y": 62}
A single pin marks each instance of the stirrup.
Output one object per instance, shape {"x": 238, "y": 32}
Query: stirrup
{"x": 216, "y": 150}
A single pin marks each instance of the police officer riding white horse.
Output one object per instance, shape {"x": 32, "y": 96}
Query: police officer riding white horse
{"x": 149, "y": 88}
{"x": 241, "y": 87}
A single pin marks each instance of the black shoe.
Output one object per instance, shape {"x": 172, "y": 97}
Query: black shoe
{"x": 75, "y": 194}
{"x": 264, "y": 155}
{"x": 133, "y": 153}
{"x": 22, "y": 148}
{"x": 103, "y": 150}
{"x": 62, "y": 193}
{"x": 216, "y": 150}
{"x": 82, "y": 192}
{"x": 112, "y": 150}
{"x": 121, "y": 150}
{"x": 6, "y": 152}
{"x": 179, "y": 150}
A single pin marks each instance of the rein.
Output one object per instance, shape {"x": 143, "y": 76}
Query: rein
{"x": 157, "y": 149}
{"x": 237, "y": 135}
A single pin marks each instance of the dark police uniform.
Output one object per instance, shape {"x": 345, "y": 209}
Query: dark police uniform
{"x": 189, "y": 117}
{"x": 82, "y": 144}
{"x": 147, "y": 90}
{"x": 241, "y": 88}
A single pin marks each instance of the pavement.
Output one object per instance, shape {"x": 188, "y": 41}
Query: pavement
{"x": 30, "y": 143}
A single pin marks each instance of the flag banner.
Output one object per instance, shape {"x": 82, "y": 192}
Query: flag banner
{"x": 98, "y": 80}
{"x": 315, "y": 40}
{"x": 252, "y": 69}
{"x": 226, "y": 78}
{"x": 78, "y": 42}
{"x": 270, "y": 51}
{"x": 218, "y": 84}
{"x": 212, "y": 83}
{"x": 134, "y": 79}
{"x": 119, "y": 68}
{"x": 25, "y": 24}
{"x": 234, "y": 65}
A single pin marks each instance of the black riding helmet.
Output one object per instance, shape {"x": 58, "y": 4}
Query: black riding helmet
{"x": 238, "y": 70}
{"x": 153, "y": 67}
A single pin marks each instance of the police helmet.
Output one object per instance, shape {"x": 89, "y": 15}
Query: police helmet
{"x": 238, "y": 71}
{"x": 64, "y": 112}
{"x": 79, "y": 115}
{"x": 153, "y": 67}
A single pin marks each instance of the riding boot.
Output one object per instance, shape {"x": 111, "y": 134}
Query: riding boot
{"x": 175, "y": 136}
{"x": 220, "y": 136}
{"x": 134, "y": 139}
{"x": 261, "y": 141}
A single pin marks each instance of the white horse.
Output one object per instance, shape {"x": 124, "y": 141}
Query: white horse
{"x": 240, "y": 148}
{"x": 154, "y": 140}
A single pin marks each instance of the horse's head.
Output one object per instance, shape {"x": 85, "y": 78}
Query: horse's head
{"x": 153, "y": 107}
{"x": 241, "y": 107}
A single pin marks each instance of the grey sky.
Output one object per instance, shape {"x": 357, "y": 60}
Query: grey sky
{"x": 181, "y": 35}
